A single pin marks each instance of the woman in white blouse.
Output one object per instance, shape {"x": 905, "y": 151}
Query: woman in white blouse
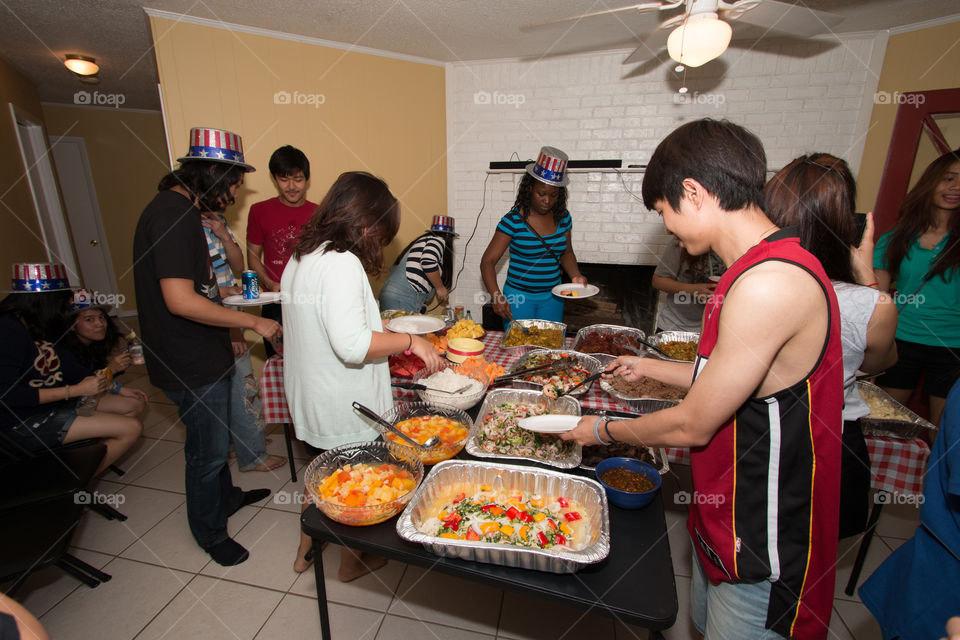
{"x": 335, "y": 345}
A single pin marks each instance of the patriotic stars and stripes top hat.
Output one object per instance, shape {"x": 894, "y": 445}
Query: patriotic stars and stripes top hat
{"x": 550, "y": 167}
{"x": 39, "y": 277}
{"x": 217, "y": 145}
{"x": 443, "y": 224}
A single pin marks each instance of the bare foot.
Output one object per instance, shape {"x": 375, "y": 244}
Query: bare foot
{"x": 305, "y": 556}
{"x": 353, "y": 567}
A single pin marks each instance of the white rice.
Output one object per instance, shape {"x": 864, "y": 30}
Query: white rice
{"x": 447, "y": 380}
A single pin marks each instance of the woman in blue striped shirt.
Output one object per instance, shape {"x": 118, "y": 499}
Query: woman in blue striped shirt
{"x": 537, "y": 233}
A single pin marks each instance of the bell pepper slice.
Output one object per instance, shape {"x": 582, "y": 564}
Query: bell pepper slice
{"x": 489, "y": 527}
{"x": 551, "y": 524}
{"x": 563, "y": 503}
{"x": 525, "y": 517}
{"x": 572, "y": 516}
{"x": 460, "y": 497}
{"x": 560, "y": 539}
{"x": 492, "y": 509}
{"x": 471, "y": 535}
{"x": 506, "y": 530}
{"x": 524, "y": 530}
{"x": 542, "y": 539}
{"x": 513, "y": 513}
{"x": 539, "y": 517}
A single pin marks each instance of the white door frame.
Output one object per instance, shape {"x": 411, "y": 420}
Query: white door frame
{"x": 44, "y": 191}
{"x": 81, "y": 148}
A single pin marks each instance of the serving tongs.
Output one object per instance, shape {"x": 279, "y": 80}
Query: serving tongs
{"x": 416, "y": 386}
{"x": 585, "y": 381}
{"x": 655, "y": 348}
{"x": 432, "y": 441}
{"x": 522, "y": 372}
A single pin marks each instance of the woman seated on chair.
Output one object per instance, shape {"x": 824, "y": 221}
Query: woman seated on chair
{"x": 39, "y": 388}
{"x": 95, "y": 342}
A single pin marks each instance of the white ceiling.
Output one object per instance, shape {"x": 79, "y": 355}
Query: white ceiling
{"x": 35, "y": 34}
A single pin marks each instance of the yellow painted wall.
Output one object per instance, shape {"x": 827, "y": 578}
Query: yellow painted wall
{"x": 347, "y": 111}
{"x": 920, "y": 60}
{"x": 378, "y": 114}
{"x": 127, "y": 151}
{"x": 21, "y": 239}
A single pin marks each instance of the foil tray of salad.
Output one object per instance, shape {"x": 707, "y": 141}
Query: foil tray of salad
{"x": 497, "y": 434}
{"x": 571, "y": 368}
{"x": 510, "y": 515}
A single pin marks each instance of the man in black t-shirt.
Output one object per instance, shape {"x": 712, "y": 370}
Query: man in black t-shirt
{"x": 186, "y": 331}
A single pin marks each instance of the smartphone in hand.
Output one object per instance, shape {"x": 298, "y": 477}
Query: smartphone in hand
{"x": 860, "y": 223}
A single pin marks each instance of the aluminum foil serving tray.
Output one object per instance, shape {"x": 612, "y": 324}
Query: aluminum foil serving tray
{"x": 890, "y": 427}
{"x": 607, "y": 330}
{"x": 658, "y": 339}
{"x": 565, "y": 405}
{"x": 452, "y": 476}
{"x": 535, "y": 324}
{"x": 587, "y": 361}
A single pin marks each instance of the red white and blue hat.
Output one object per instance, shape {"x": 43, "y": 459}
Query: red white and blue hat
{"x": 550, "y": 167}
{"x": 39, "y": 277}
{"x": 443, "y": 224}
{"x": 217, "y": 145}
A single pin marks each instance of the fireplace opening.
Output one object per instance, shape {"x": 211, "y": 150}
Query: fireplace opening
{"x": 626, "y": 298}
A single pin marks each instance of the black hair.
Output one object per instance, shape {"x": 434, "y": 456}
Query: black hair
{"x": 206, "y": 181}
{"x": 42, "y": 313}
{"x": 446, "y": 260}
{"x": 525, "y": 196}
{"x": 287, "y": 160}
{"x": 94, "y": 355}
{"x": 725, "y": 158}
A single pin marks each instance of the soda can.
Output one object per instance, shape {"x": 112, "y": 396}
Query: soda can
{"x": 251, "y": 285}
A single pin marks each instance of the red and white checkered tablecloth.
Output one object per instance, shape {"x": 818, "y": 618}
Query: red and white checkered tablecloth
{"x": 898, "y": 465}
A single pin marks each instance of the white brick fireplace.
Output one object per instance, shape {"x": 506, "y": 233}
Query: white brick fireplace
{"x": 796, "y": 97}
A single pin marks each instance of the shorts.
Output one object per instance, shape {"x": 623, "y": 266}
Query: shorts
{"x": 44, "y": 430}
{"x": 940, "y": 367}
{"x": 729, "y": 611}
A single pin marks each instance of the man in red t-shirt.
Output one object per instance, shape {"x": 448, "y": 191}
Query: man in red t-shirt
{"x": 274, "y": 225}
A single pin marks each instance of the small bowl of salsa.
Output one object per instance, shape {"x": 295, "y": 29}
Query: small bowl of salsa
{"x": 629, "y": 483}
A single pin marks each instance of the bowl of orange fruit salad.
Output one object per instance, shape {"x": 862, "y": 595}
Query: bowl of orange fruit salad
{"x": 363, "y": 483}
{"x": 422, "y": 420}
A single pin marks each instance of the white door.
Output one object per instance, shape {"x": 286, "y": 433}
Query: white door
{"x": 80, "y": 200}
{"x": 43, "y": 188}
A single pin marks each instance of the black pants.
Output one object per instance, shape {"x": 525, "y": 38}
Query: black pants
{"x": 854, "y": 481}
{"x": 271, "y": 311}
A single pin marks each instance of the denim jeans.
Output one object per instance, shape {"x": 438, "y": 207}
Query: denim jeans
{"x": 530, "y": 306}
{"x": 398, "y": 293}
{"x": 211, "y": 496}
{"x": 246, "y": 415}
{"x": 729, "y": 611}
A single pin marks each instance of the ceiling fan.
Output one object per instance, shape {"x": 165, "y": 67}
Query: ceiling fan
{"x": 703, "y": 31}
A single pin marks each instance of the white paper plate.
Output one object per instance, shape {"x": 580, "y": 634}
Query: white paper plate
{"x": 416, "y": 324}
{"x": 267, "y": 297}
{"x": 579, "y": 290}
{"x": 549, "y": 423}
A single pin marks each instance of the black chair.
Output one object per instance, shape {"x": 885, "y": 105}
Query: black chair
{"x": 42, "y": 498}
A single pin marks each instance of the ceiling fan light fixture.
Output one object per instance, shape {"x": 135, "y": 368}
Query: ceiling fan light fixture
{"x": 81, "y": 65}
{"x": 701, "y": 38}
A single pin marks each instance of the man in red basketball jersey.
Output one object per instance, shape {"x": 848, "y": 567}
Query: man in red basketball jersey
{"x": 763, "y": 413}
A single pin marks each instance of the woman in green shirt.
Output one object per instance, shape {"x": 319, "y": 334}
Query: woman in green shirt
{"x": 920, "y": 260}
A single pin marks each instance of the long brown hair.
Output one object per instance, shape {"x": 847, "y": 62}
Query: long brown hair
{"x": 817, "y": 192}
{"x": 916, "y": 216}
{"x": 359, "y": 215}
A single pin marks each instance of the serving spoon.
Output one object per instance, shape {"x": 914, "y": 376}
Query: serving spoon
{"x": 431, "y": 442}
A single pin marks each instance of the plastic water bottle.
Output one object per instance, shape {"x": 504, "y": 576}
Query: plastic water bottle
{"x": 135, "y": 348}
{"x": 469, "y": 317}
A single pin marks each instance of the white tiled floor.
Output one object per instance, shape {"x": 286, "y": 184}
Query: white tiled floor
{"x": 164, "y": 586}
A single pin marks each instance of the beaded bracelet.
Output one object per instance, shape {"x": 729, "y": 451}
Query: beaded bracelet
{"x": 596, "y": 433}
